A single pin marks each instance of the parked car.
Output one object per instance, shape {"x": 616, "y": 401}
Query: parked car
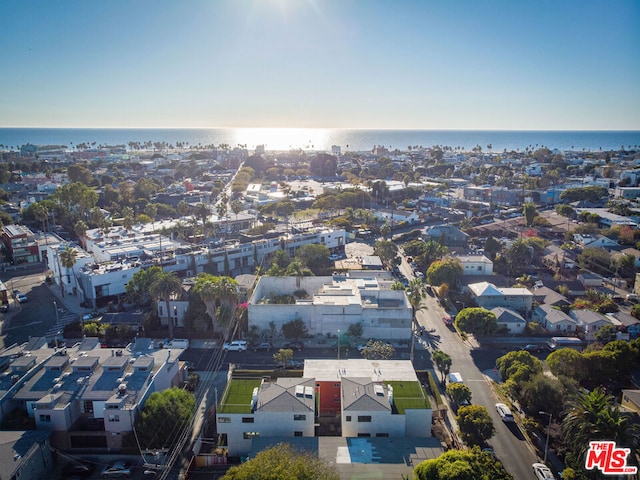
{"x": 117, "y": 470}
{"x": 532, "y": 348}
{"x": 542, "y": 472}
{"x": 333, "y": 257}
{"x": 4, "y": 308}
{"x": 504, "y": 412}
{"x": 263, "y": 347}
{"x": 20, "y": 297}
{"x": 294, "y": 345}
{"x": 78, "y": 469}
{"x": 235, "y": 346}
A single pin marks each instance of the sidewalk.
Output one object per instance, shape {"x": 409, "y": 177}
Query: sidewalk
{"x": 69, "y": 301}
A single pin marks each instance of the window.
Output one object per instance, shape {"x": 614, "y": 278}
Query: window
{"x": 247, "y": 419}
{"x": 348, "y": 419}
{"x": 88, "y": 406}
{"x": 114, "y": 418}
{"x": 45, "y": 418}
{"x": 364, "y": 434}
{"x": 224, "y": 419}
{"x": 364, "y": 418}
{"x": 382, "y": 434}
{"x": 250, "y": 435}
{"x": 300, "y": 417}
{"x": 297, "y": 434}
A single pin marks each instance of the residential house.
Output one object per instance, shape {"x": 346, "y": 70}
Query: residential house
{"x": 25, "y": 455}
{"x": 589, "y": 321}
{"x": 553, "y": 319}
{"x": 448, "y": 235}
{"x": 488, "y": 296}
{"x": 547, "y": 296}
{"x": 594, "y": 241}
{"x": 608, "y": 219}
{"x": 590, "y": 280}
{"x": 631, "y": 400}
{"x": 395, "y": 216}
{"x": 627, "y": 251}
{"x": 475, "y": 265}
{"x": 626, "y": 323}
{"x": 509, "y": 320}
{"x": 558, "y": 259}
{"x": 333, "y": 303}
{"x": 627, "y": 193}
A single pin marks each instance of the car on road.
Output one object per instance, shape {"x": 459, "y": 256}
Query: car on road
{"x": 119, "y": 469}
{"x": 533, "y": 348}
{"x": 4, "y": 308}
{"x": 235, "y": 346}
{"x": 78, "y": 469}
{"x": 542, "y": 472}
{"x": 263, "y": 347}
{"x": 294, "y": 345}
{"x": 20, "y": 297}
{"x": 504, "y": 412}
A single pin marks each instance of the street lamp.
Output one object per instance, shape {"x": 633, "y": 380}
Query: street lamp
{"x": 338, "y": 344}
{"x": 546, "y": 444}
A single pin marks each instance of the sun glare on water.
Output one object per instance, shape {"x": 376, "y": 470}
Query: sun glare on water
{"x": 283, "y": 138}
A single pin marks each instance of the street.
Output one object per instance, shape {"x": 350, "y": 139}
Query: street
{"x": 476, "y": 366}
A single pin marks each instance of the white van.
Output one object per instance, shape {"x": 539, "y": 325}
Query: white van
{"x": 455, "y": 377}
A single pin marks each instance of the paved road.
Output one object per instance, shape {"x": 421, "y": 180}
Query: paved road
{"x": 40, "y": 316}
{"x": 476, "y": 366}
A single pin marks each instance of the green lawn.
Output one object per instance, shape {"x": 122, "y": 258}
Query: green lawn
{"x": 409, "y": 395}
{"x": 237, "y": 398}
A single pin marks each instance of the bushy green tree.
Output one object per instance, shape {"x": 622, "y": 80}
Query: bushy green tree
{"x": 164, "y": 417}
{"x": 283, "y": 462}
{"x": 567, "y": 362}
{"x": 476, "y": 426}
{"x": 446, "y": 271}
{"x": 459, "y": 393}
{"x": 461, "y": 465}
{"x": 478, "y": 321}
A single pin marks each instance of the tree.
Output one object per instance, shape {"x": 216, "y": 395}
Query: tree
{"x": 165, "y": 286}
{"x": 446, "y": 271}
{"x": 529, "y": 211}
{"x": 470, "y": 464}
{"x": 519, "y": 257}
{"x": 80, "y": 228}
{"x": 374, "y": 350}
{"x": 459, "y": 393}
{"x": 282, "y": 356}
{"x": 477, "y": 321}
{"x": 295, "y": 329}
{"x": 78, "y": 173}
{"x": 542, "y": 393}
{"x": 416, "y": 291}
{"x": 138, "y": 287}
{"x": 476, "y": 426}
{"x": 67, "y": 259}
{"x": 567, "y": 362}
{"x": 164, "y": 417}
{"x": 355, "y": 330}
{"x": 296, "y": 269}
{"x": 283, "y": 462}
{"x": 597, "y": 260}
{"x": 236, "y": 207}
{"x": 387, "y": 251}
{"x": 518, "y": 366}
{"x": 443, "y": 363}
{"x": 595, "y": 415}
{"x": 315, "y": 257}
{"x": 217, "y": 291}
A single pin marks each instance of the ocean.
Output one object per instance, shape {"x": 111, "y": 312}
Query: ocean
{"x": 322, "y": 139}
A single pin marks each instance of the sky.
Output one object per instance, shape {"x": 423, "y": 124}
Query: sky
{"x": 401, "y": 64}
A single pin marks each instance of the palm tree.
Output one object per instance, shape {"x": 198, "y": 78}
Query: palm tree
{"x": 296, "y": 269}
{"x": 217, "y": 289}
{"x": 166, "y": 285}
{"x": 443, "y": 363}
{"x": 127, "y": 218}
{"x": 81, "y": 230}
{"x": 416, "y": 291}
{"x": 41, "y": 213}
{"x": 67, "y": 259}
{"x": 595, "y": 415}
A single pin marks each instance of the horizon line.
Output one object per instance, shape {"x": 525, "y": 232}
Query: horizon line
{"x": 331, "y": 128}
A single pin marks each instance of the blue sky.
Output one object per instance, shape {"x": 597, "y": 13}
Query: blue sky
{"x": 476, "y": 64}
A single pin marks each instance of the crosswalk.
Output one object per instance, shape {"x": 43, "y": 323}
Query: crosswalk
{"x": 64, "y": 318}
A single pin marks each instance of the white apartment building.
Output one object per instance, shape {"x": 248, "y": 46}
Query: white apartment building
{"x": 331, "y": 304}
{"x": 364, "y": 398}
{"x": 475, "y": 265}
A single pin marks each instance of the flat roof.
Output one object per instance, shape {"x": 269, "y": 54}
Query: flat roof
{"x": 377, "y": 370}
